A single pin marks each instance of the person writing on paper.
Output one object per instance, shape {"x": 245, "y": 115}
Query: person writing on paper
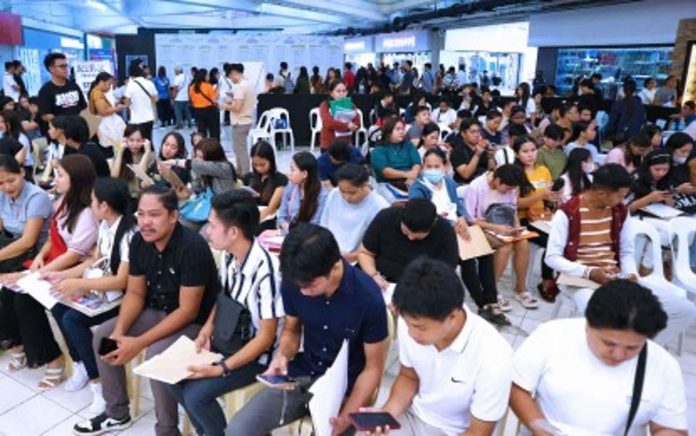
{"x": 137, "y": 151}
{"x": 304, "y": 197}
{"x": 267, "y": 181}
{"x": 351, "y": 208}
{"x": 337, "y": 129}
{"x": 398, "y": 235}
{"x": 250, "y": 277}
{"x": 536, "y": 202}
{"x": 110, "y": 205}
{"x": 491, "y": 199}
{"x": 72, "y": 236}
{"x": 591, "y": 238}
{"x": 171, "y": 290}
{"x": 455, "y": 370}
{"x": 25, "y": 213}
{"x": 477, "y": 273}
{"x": 327, "y": 302}
{"x": 589, "y": 364}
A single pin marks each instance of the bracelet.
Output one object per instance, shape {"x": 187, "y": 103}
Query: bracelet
{"x": 225, "y": 369}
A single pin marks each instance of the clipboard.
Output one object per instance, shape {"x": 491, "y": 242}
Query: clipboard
{"x": 577, "y": 282}
{"x": 476, "y": 246}
{"x": 140, "y": 174}
{"x": 662, "y": 211}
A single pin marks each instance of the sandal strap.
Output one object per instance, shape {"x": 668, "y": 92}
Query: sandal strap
{"x": 52, "y": 377}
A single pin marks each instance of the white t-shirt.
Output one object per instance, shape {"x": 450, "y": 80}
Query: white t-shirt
{"x": 583, "y": 396}
{"x": 469, "y": 378}
{"x": 140, "y": 102}
{"x": 224, "y": 86}
{"x": 8, "y": 85}
{"x": 448, "y": 117}
{"x": 182, "y": 84}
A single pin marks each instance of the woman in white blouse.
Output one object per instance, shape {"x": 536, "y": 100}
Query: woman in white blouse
{"x": 101, "y": 277}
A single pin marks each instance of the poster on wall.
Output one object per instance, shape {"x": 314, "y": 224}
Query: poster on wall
{"x": 131, "y": 58}
{"x": 87, "y": 71}
{"x": 32, "y": 76}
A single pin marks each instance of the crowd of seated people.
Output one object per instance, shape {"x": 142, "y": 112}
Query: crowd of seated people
{"x": 366, "y": 238}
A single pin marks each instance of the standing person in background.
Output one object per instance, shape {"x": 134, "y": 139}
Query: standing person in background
{"x": 302, "y": 84}
{"x": 666, "y": 95}
{"x": 19, "y": 70}
{"x": 349, "y": 77}
{"x": 284, "y": 78}
{"x": 164, "y": 105}
{"x": 627, "y": 115}
{"x": 332, "y": 129}
{"x": 9, "y": 85}
{"x": 181, "y": 97}
{"x": 103, "y": 104}
{"x": 140, "y": 94}
{"x": 316, "y": 81}
{"x": 203, "y": 100}
{"x": 524, "y": 99}
{"x": 59, "y": 96}
{"x": 428, "y": 79}
{"x": 224, "y": 89}
{"x": 241, "y": 115}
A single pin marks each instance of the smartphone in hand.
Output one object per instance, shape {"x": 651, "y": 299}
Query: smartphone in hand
{"x": 107, "y": 346}
{"x": 277, "y": 381}
{"x": 369, "y": 421}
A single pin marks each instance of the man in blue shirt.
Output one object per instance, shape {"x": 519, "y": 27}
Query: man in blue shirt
{"x": 326, "y": 302}
{"x": 428, "y": 78}
{"x": 338, "y": 154}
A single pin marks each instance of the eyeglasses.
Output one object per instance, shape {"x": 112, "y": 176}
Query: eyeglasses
{"x": 61, "y": 65}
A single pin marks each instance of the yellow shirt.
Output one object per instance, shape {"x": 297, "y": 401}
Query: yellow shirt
{"x": 541, "y": 180}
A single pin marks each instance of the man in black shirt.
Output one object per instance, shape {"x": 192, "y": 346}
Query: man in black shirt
{"x": 470, "y": 157}
{"x": 76, "y": 133}
{"x": 398, "y": 235}
{"x": 172, "y": 286}
{"x": 59, "y": 96}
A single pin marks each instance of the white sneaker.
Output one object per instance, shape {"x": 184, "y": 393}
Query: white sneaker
{"x": 78, "y": 379}
{"x": 98, "y": 405}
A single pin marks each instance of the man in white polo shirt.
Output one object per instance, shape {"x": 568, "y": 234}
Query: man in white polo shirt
{"x": 241, "y": 107}
{"x": 455, "y": 367}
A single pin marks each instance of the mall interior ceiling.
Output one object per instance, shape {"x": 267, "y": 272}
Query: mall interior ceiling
{"x": 337, "y": 17}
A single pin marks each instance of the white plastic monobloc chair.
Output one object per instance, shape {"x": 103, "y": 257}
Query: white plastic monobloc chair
{"x": 278, "y": 114}
{"x": 260, "y": 131}
{"x": 680, "y": 231}
{"x": 445, "y": 131}
{"x": 360, "y": 136}
{"x": 315, "y": 126}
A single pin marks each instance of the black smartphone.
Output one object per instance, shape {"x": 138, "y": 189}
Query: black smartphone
{"x": 369, "y": 421}
{"x": 107, "y": 346}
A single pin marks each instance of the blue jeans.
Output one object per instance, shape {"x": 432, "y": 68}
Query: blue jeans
{"x": 75, "y": 326}
{"x": 181, "y": 112}
{"x": 199, "y": 397}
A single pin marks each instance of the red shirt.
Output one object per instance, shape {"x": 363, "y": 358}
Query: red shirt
{"x": 349, "y": 79}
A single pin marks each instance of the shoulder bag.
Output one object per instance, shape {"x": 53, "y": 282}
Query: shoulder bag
{"x": 198, "y": 208}
{"x": 637, "y": 387}
{"x": 232, "y": 328}
{"x": 142, "y": 87}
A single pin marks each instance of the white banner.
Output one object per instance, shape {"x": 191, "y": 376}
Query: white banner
{"x": 86, "y": 72}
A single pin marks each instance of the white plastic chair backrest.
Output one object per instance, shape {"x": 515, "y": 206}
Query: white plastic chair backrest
{"x": 444, "y": 132}
{"x": 601, "y": 159}
{"x": 373, "y": 116}
{"x": 682, "y": 228}
{"x": 314, "y": 119}
{"x": 278, "y": 113}
{"x": 640, "y": 227}
{"x": 482, "y": 119}
{"x": 264, "y": 121}
{"x": 402, "y": 111}
{"x": 360, "y": 113}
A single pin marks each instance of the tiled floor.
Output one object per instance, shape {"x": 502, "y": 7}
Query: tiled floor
{"x": 25, "y": 411}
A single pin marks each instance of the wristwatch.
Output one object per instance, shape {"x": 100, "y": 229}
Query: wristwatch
{"x": 225, "y": 369}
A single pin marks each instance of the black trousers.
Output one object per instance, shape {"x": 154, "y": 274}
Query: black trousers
{"x": 165, "y": 112}
{"x": 478, "y": 276}
{"x": 542, "y": 240}
{"x": 208, "y": 122}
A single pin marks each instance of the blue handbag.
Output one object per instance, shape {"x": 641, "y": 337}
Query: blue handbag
{"x": 198, "y": 208}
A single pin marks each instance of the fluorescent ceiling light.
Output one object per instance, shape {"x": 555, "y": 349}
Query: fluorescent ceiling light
{"x": 96, "y": 4}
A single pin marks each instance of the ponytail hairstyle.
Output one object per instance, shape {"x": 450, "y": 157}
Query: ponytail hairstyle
{"x": 114, "y": 192}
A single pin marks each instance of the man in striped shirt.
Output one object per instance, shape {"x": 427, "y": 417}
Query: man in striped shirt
{"x": 250, "y": 277}
{"x": 591, "y": 238}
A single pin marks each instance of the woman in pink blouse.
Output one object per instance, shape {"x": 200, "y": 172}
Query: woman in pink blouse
{"x": 630, "y": 154}
{"x": 72, "y": 236}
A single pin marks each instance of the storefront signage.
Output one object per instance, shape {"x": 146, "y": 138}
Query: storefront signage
{"x": 66, "y": 42}
{"x": 415, "y": 41}
{"x": 359, "y": 45}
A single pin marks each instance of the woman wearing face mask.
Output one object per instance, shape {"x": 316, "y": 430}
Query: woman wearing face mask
{"x": 680, "y": 145}
{"x": 477, "y": 273}
{"x": 135, "y": 150}
{"x": 337, "y": 125}
{"x": 577, "y": 176}
{"x": 531, "y": 206}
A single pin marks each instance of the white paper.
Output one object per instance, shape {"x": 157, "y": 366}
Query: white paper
{"x": 171, "y": 365}
{"x": 661, "y": 210}
{"x": 389, "y": 293}
{"x": 329, "y": 391}
{"x": 577, "y": 282}
{"x": 39, "y": 289}
{"x": 139, "y": 173}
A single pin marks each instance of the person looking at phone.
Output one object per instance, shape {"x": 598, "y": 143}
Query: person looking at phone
{"x": 591, "y": 238}
{"x": 455, "y": 369}
{"x": 570, "y": 365}
{"x": 135, "y": 150}
{"x": 469, "y": 155}
{"x": 250, "y": 278}
{"x": 171, "y": 290}
{"x": 327, "y": 301}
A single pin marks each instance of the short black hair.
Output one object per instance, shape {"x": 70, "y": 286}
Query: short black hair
{"x": 166, "y": 196}
{"x": 678, "y": 139}
{"x": 428, "y": 288}
{"x": 420, "y": 109}
{"x": 554, "y": 131}
{"x": 50, "y": 59}
{"x": 623, "y": 305}
{"x": 284, "y": 65}
{"x": 309, "y": 251}
{"x": 509, "y": 174}
{"x": 74, "y": 127}
{"x": 237, "y": 208}
{"x": 419, "y": 215}
{"x": 352, "y": 173}
{"x": 340, "y": 151}
{"x": 611, "y": 177}
{"x": 468, "y": 122}
{"x": 493, "y": 114}
{"x": 238, "y": 67}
